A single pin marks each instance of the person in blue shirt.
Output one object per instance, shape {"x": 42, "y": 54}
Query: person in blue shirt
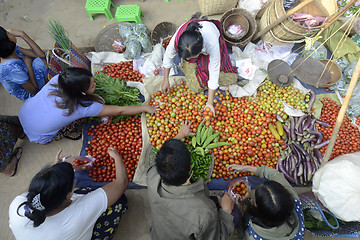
{"x": 23, "y": 72}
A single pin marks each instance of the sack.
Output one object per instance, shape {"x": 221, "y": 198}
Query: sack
{"x": 321, "y": 222}
{"x": 337, "y": 186}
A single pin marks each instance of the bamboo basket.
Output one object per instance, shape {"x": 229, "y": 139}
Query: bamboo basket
{"x": 288, "y": 31}
{"x": 212, "y": 7}
{"x": 251, "y": 31}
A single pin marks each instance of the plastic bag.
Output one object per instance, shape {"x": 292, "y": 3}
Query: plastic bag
{"x": 337, "y": 186}
{"x": 125, "y": 30}
{"x": 80, "y": 162}
{"x": 316, "y": 51}
{"x": 118, "y": 46}
{"x": 145, "y": 42}
{"x": 239, "y": 189}
{"x": 289, "y": 4}
{"x": 133, "y": 48}
{"x": 252, "y": 6}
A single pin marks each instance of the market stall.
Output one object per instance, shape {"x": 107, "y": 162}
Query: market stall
{"x": 262, "y": 121}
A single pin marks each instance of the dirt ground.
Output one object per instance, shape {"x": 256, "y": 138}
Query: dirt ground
{"x": 32, "y": 17}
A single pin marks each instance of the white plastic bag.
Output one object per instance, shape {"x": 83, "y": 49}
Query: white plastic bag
{"x": 337, "y": 186}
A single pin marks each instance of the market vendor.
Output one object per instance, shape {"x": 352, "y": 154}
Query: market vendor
{"x": 199, "y": 42}
{"x": 50, "y": 210}
{"x": 275, "y": 212}
{"x": 181, "y": 208}
{"x": 58, "y": 109}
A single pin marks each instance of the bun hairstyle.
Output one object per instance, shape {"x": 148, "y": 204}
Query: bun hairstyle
{"x": 191, "y": 41}
{"x": 273, "y": 205}
{"x": 7, "y": 47}
{"x": 47, "y": 191}
{"x": 72, "y": 87}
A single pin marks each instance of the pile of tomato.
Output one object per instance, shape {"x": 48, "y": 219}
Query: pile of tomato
{"x": 240, "y": 189}
{"x": 347, "y": 140}
{"x": 125, "y": 136}
{"x": 123, "y": 70}
{"x": 241, "y": 122}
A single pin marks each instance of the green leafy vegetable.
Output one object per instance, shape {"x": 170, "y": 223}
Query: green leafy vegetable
{"x": 115, "y": 92}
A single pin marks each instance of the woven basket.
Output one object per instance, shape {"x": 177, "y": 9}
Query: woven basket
{"x": 162, "y": 31}
{"x": 334, "y": 70}
{"x": 212, "y": 7}
{"x": 288, "y": 31}
{"x": 249, "y": 35}
{"x": 236, "y": 19}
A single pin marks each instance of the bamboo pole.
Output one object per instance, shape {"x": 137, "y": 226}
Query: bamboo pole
{"x": 340, "y": 117}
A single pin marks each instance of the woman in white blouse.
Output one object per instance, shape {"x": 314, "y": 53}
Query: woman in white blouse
{"x": 199, "y": 41}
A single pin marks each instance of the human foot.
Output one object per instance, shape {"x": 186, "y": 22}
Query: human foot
{"x": 13, "y": 166}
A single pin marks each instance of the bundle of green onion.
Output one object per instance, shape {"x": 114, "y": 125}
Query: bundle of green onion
{"x": 58, "y": 33}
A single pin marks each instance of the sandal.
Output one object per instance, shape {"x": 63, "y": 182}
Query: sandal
{"x": 17, "y": 152}
{"x": 74, "y": 135}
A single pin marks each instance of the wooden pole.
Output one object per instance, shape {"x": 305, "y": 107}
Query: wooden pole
{"x": 340, "y": 117}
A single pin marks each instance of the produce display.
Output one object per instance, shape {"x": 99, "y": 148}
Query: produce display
{"x": 115, "y": 92}
{"x": 271, "y": 98}
{"x": 241, "y": 122}
{"x": 347, "y": 140}
{"x": 302, "y": 157}
{"x": 123, "y": 70}
{"x": 200, "y": 149}
{"x": 125, "y": 136}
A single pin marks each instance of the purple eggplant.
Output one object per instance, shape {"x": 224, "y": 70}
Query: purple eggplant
{"x": 312, "y": 100}
{"x": 323, "y": 144}
{"x": 286, "y": 174}
{"x": 322, "y": 123}
{"x": 318, "y": 135}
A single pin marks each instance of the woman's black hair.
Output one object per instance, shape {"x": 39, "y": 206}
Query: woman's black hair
{"x": 7, "y": 47}
{"x": 191, "y": 41}
{"x": 51, "y": 185}
{"x": 72, "y": 86}
{"x": 273, "y": 205}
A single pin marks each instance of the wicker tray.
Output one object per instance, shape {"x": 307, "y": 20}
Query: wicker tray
{"x": 106, "y": 37}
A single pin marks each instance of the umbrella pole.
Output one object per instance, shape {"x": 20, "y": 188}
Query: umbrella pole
{"x": 340, "y": 117}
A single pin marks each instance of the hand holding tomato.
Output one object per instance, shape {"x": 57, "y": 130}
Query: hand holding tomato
{"x": 226, "y": 203}
{"x": 211, "y": 107}
{"x": 185, "y": 130}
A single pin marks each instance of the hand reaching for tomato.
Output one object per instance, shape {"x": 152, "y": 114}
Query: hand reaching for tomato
{"x": 185, "y": 130}
{"x": 114, "y": 153}
{"x": 241, "y": 168}
{"x": 152, "y": 109}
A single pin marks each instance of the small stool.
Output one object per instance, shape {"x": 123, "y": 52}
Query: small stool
{"x": 99, "y": 6}
{"x": 129, "y": 13}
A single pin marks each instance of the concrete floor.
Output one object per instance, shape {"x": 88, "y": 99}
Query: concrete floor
{"x": 32, "y": 17}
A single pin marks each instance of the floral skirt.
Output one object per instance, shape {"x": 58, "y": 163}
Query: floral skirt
{"x": 108, "y": 222}
{"x": 10, "y": 131}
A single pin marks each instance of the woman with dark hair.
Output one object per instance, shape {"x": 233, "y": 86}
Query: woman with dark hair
{"x": 56, "y": 111}
{"x": 199, "y": 41}
{"x": 275, "y": 212}
{"x": 50, "y": 210}
{"x": 23, "y": 72}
